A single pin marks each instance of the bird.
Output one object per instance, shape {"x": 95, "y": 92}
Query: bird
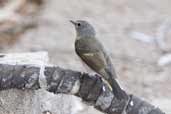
{"x": 93, "y": 54}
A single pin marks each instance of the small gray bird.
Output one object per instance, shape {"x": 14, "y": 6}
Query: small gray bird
{"x": 90, "y": 50}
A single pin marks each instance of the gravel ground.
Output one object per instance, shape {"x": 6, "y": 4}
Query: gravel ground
{"x": 115, "y": 22}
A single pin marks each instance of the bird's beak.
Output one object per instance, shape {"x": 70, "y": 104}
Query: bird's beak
{"x": 73, "y": 22}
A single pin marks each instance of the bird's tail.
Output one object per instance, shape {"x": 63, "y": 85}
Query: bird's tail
{"x": 117, "y": 91}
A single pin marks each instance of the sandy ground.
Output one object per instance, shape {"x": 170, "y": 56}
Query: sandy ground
{"x": 115, "y": 22}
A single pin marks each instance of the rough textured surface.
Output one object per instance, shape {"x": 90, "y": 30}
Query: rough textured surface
{"x": 37, "y": 102}
{"x": 26, "y": 77}
{"x": 19, "y": 77}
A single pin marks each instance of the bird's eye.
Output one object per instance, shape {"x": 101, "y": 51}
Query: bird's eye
{"x": 79, "y": 24}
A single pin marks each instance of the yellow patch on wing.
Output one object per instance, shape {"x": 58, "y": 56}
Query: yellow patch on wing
{"x": 89, "y": 54}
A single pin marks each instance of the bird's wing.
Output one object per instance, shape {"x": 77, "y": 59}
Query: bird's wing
{"x": 95, "y": 56}
{"x": 89, "y": 50}
{"x": 95, "y": 60}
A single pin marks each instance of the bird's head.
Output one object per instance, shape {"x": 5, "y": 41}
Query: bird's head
{"x": 83, "y": 29}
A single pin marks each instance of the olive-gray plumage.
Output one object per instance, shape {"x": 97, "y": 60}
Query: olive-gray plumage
{"x": 91, "y": 51}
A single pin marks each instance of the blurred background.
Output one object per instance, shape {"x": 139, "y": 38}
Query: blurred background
{"x": 136, "y": 33}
